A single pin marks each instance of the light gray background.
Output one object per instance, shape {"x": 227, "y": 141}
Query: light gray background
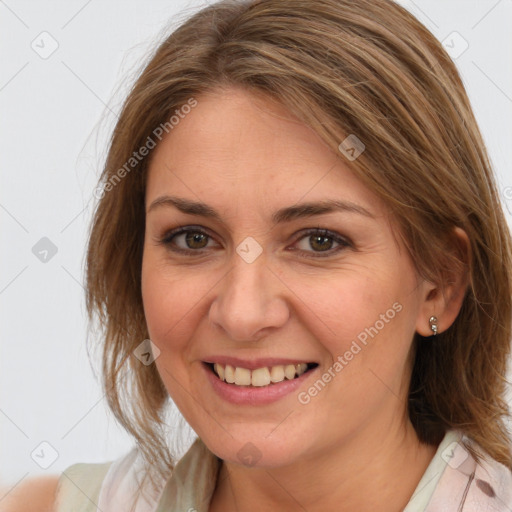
{"x": 56, "y": 113}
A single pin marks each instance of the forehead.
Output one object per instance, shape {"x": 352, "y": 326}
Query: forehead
{"x": 238, "y": 146}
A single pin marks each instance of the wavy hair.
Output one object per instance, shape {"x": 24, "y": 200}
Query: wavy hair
{"x": 363, "y": 67}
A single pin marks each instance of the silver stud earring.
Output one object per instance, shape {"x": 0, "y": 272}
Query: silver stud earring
{"x": 433, "y": 324}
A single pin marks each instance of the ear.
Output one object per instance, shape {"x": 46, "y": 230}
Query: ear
{"x": 445, "y": 300}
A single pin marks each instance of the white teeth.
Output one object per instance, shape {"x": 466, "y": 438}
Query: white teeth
{"x": 229, "y": 374}
{"x": 301, "y": 368}
{"x": 259, "y": 377}
{"x": 277, "y": 374}
{"x": 242, "y": 376}
{"x": 219, "y": 370}
{"x": 289, "y": 371}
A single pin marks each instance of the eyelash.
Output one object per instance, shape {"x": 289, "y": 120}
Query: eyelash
{"x": 167, "y": 239}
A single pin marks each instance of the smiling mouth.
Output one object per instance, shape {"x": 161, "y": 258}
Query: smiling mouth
{"x": 260, "y": 377}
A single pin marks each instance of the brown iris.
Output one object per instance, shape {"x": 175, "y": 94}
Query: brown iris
{"x": 196, "y": 238}
{"x": 320, "y": 242}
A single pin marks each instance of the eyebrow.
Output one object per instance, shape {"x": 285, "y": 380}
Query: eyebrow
{"x": 286, "y": 214}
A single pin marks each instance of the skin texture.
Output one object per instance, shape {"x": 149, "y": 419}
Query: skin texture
{"x": 31, "y": 495}
{"x": 352, "y": 446}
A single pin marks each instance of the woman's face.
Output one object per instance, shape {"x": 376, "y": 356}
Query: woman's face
{"x": 287, "y": 258}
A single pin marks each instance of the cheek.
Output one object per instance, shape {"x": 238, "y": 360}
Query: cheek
{"x": 172, "y": 302}
{"x": 364, "y": 325}
{"x": 342, "y": 307}
{"x": 171, "y": 308}
{"x": 366, "y": 317}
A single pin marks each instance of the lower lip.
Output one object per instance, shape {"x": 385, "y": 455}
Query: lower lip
{"x": 253, "y": 395}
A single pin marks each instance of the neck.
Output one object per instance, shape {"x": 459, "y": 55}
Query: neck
{"x": 371, "y": 471}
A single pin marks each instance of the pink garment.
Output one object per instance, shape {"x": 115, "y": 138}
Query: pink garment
{"x": 468, "y": 486}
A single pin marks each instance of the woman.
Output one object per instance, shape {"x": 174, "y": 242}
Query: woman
{"x": 298, "y": 211}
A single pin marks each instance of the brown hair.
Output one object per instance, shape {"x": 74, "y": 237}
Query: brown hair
{"x": 363, "y": 67}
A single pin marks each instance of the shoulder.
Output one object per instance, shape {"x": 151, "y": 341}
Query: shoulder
{"x": 32, "y": 495}
{"x": 79, "y": 487}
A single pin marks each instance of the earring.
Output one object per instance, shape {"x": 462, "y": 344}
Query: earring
{"x": 433, "y": 324}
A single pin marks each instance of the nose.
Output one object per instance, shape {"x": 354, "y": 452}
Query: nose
{"x": 250, "y": 302}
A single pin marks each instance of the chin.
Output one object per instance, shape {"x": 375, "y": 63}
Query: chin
{"x": 256, "y": 450}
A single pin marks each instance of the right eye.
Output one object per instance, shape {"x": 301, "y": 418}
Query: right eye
{"x": 187, "y": 240}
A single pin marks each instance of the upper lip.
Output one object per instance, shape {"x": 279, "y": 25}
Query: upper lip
{"x": 253, "y": 364}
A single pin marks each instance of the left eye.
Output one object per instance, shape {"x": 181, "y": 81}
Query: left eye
{"x": 321, "y": 240}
